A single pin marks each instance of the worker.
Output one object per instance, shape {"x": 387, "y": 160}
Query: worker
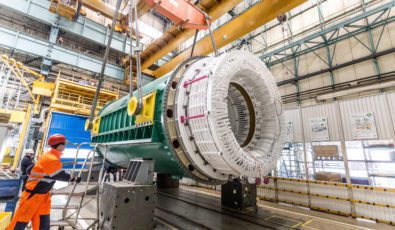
{"x": 26, "y": 162}
{"x": 35, "y": 203}
{"x": 110, "y": 169}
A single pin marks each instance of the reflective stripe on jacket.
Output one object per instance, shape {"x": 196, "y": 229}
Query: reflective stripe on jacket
{"x": 44, "y": 173}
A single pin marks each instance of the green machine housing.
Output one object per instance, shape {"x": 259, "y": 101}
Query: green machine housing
{"x": 141, "y": 136}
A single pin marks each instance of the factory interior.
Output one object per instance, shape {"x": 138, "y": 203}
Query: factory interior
{"x": 203, "y": 114}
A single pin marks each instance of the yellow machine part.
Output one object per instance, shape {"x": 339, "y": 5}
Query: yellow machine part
{"x": 147, "y": 112}
{"x": 43, "y": 88}
{"x": 58, "y": 7}
{"x": 15, "y": 116}
{"x": 96, "y": 125}
{"x": 132, "y": 106}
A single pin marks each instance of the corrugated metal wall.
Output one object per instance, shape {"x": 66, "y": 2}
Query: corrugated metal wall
{"x": 375, "y": 104}
{"x": 339, "y": 117}
{"x": 292, "y": 117}
{"x": 391, "y": 103}
{"x": 325, "y": 110}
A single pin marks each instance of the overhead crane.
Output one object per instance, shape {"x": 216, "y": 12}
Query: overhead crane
{"x": 248, "y": 21}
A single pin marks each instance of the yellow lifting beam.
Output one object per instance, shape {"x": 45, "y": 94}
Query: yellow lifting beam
{"x": 219, "y": 8}
{"x": 256, "y": 16}
{"x": 100, "y": 6}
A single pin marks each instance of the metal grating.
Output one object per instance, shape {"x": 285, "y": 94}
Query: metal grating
{"x": 133, "y": 170}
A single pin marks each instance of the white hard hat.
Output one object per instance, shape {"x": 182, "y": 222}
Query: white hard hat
{"x": 29, "y": 151}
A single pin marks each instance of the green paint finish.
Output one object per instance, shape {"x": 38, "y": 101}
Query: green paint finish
{"x": 164, "y": 160}
{"x": 128, "y": 141}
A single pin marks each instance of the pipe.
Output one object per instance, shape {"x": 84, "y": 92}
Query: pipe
{"x": 103, "y": 67}
{"x": 8, "y": 125}
{"x": 42, "y": 116}
{"x": 356, "y": 90}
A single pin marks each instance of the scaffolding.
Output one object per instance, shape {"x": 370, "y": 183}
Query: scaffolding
{"x": 75, "y": 95}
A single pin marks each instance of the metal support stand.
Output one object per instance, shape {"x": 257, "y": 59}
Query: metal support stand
{"x": 239, "y": 195}
{"x": 130, "y": 203}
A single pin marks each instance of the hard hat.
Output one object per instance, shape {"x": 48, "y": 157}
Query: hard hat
{"x": 56, "y": 139}
{"x": 31, "y": 151}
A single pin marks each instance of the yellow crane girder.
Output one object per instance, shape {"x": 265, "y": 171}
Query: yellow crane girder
{"x": 251, "y": 19}
{"x": 162, "y": 46}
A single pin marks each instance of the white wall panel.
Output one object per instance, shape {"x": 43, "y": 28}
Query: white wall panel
{"x": 358, "y": 49}
{"x": 391, "y": 102}
{"x": 344, "y": 74}
{"x": 323, "y": 110}
{"x": 343, "y": 52}
{"x": 293, "y": 116}
{"x": 391, "y": 31}
{"x": 385, "y": 41}
{"x": 377, "y": 105}
{"x": 364, "y": 69}
{"x": 386, "y": 62}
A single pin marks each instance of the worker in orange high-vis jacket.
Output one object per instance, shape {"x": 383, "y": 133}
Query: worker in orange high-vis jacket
{"x": 35, "y": 203}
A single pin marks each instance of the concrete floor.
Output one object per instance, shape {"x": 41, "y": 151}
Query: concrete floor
{"x": 298, "y": 218}
{"x": 309, "y": 219}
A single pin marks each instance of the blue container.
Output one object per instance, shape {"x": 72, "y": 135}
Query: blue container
{"x": 9, "y": 188}
{"x": 9, "y": 191}
{"x": 11, "y": 205}
{"x": 72, "y": 127}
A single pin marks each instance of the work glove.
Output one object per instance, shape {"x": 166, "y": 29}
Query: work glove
{"x": 76, "y": 179}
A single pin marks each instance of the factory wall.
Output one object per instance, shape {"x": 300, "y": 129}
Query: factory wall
{"x": 339, "y": 118}
{"x": 306, "y": 23}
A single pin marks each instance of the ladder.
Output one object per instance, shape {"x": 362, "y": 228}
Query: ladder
{"x": 289, "y": 163}
{"x": 70, "y": 212}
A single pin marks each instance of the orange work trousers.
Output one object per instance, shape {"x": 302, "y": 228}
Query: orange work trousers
{"x": 35, "y": 209}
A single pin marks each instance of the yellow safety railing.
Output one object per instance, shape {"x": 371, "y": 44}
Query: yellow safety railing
{"x": 75, "y": 95}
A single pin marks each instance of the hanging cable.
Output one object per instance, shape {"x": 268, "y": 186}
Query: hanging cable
{"x": 138, "y": 50}
{"x": 103, "y": 67}
{"x": 131, "y": 86}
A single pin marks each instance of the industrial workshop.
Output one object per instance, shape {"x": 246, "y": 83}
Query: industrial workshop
{"x": 197, "y": 114}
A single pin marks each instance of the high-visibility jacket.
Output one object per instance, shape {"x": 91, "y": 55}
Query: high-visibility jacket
{"x": 44, "y": 173}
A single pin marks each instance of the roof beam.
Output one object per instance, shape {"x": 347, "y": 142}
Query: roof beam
{"x": 15, "y": 40}
{"x": 251, "y": 19}
{"x": 83, "y": 27}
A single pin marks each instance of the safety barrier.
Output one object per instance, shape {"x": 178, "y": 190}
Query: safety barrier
{"x": 358, "y": 201}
